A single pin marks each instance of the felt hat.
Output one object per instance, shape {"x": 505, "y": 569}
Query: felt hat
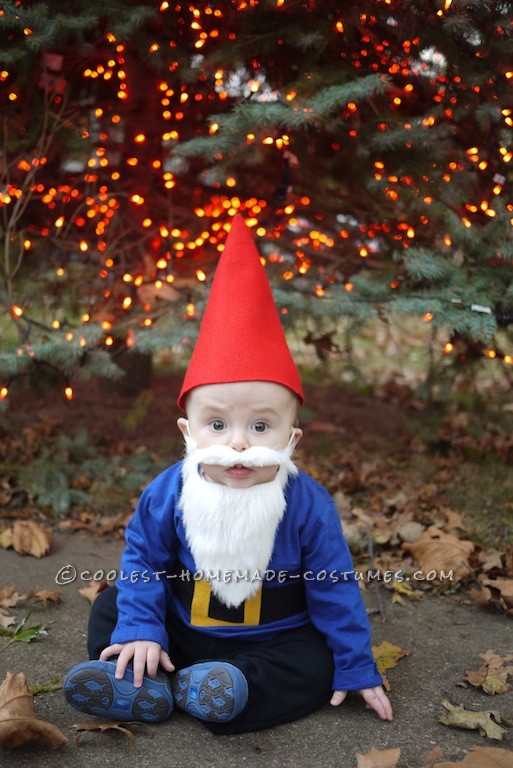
{"x": 241, "y": 337}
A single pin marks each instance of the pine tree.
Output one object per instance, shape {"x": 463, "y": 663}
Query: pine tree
{"x": 367, "y": 144}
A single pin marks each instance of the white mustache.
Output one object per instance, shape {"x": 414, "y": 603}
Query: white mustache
{"x": 224, "y": 456}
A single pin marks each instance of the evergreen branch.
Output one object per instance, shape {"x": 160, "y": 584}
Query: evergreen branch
{"x": 336, "y": 97}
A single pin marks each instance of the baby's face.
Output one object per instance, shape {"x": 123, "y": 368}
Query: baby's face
{"x": 241, "y": 415}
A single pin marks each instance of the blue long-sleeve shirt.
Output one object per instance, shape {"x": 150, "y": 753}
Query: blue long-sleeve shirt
{"x": 309, "y": 550}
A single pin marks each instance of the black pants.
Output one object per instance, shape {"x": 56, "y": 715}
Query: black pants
{"x": 289, "y": 676}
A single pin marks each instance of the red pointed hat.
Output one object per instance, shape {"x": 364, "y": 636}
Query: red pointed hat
{"x": 241, "y": 337}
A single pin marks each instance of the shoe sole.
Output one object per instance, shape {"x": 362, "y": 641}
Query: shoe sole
{"x": 216, "y": 693}
{"x": 92, "y": 688}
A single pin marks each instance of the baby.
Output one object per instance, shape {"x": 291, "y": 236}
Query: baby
{"x": 236, "y": 599}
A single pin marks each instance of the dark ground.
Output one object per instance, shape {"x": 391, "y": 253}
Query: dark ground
{"x": 444, "y": 634}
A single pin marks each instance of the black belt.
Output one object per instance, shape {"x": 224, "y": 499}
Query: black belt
{"x": 275, "y": 603}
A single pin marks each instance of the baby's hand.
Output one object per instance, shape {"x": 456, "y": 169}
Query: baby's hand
{"x": 375, "y": 698}
{"x": 146, "y": 655}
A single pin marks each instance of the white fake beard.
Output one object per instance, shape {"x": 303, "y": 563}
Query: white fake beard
{"x": 233, "y": 529}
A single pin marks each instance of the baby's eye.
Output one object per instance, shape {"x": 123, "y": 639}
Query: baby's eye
{"x": 217, "y": 425}
{"x": 260, "y": 426}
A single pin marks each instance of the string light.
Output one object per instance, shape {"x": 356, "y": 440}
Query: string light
{"x": 82, "y": 216}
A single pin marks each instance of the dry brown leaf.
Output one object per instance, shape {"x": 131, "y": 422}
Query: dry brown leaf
{"x": 508, "y": 560}
{"x": 432, "y": 756}
{"x": 83, "y": 728}
{"x": 46, "y": 596}
{"x": 505, "y": 587}
{"x": 6, "y": 620}
{"x": 497, "y": 592}
{"x": 6, "y": 537}
{"x": 29, "y": 538}
{"x": 93, "y": 589}
{"x": 439, "y": 551}
{"x": 493, "y": 674}
{"x": 458, "y": 717}
{"x": 9, "y": 598}
{"x": 483, "y": 757}
{"x": 18, "y": 721}
{"x": 453, "y": 519}
{"x": 489, "y": 559}
{"x": 378, "y": 758}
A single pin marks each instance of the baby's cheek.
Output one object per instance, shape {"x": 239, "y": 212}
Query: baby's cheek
{"x": 266, "y": 474}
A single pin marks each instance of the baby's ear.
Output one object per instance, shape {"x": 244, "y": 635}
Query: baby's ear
{"x": 183, "y": 426}
{"x": 296, "y": 437}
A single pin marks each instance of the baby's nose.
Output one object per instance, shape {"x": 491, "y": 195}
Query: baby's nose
{"x": 238, "y": 441}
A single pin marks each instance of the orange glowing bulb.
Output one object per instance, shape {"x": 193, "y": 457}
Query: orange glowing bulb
{"x": 68, "y": 392}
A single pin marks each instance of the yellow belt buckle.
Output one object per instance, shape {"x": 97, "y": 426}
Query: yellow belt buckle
{"x": 201, "y": 603}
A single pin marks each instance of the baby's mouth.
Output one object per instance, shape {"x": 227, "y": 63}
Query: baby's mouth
{"x": 239, "y": 470}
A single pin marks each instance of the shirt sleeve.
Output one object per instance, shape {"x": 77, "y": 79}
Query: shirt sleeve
{"x": 146, "y": 562}
{"x": 335, "y": 603}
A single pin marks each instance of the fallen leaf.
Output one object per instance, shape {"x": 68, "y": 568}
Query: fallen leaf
{"x": 483, "y": 757}
{"x": 6, "y": 538}
{"x": 404, "y": 589}
{"x": 496, "y": 592}
{"x": 508, "y": 560}
{"x": 410, "y": 531}
{"x": 22, "y": 635}
{"x": 83, "y": 728}
{"x": 93, "y": 589}
{"x": 439, "y": 551}
{"x": 46, "y": 596}
{"x": 458, "y": 717}
{"x": 493, "y": 674}
{"x": 453, "y": 519}
{"x": 9, "y": 598}
{"x": 378, "y": 758}
{"x": 504, "y": 586}
{"x": 6, "y": 620}
{"x": 489, "y": 559}
{"x": 434, "y": 754}
{"x": 18, "y": 721}
{"x": 29, "y": 538}
{"x": 387, "y": 655}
